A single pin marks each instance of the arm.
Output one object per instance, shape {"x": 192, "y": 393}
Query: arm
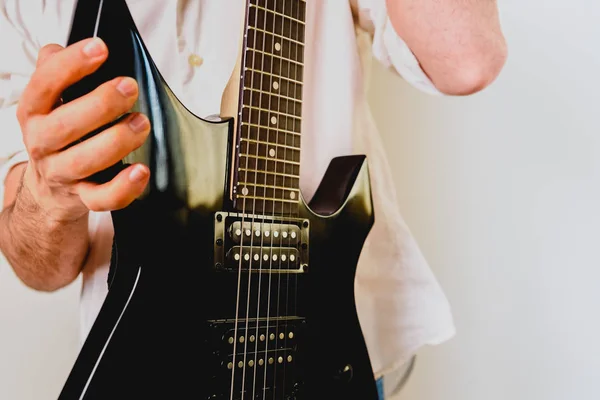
{"x": 45, "y": 254}
{"x": 459, "y": 43}
{"x": 44, "y": 225}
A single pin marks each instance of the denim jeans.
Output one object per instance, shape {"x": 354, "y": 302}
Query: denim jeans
{"x": 380, "y": 388}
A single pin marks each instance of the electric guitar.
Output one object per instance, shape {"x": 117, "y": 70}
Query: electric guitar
{"x": 224, "y": 283}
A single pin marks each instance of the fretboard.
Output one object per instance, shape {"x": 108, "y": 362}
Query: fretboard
{"x": 268, "y": 156}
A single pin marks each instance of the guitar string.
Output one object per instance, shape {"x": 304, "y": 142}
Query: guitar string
{"x": 286, "y": 274}
{"x": 254, "y": 198}
{"x": 261, "y": 225}
{"x": 98, "y": 18}
{"x": 275, "y": 353}
{"x": 271, "y": 256}
{"x": 298, "y": 76}
{"x": 237, "y": 307}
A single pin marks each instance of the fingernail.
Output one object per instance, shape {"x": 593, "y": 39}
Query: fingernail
{"x": 94, "y": 48}
{"x": 138, "y": 174}
{"x": 127, "y": 87}
{"x": 138, "y": 123}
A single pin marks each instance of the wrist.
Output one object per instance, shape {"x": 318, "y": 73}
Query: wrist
{"x": 50, "y": 208}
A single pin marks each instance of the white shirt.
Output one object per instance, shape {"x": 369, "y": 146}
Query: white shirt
{"x": 400, "y": 304}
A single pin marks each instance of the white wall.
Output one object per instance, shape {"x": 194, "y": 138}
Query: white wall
{"x": 38, "y": 338}
{"x": 501, "y": 189}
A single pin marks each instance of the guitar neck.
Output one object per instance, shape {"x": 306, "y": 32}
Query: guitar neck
{"x": 267, "y": 167}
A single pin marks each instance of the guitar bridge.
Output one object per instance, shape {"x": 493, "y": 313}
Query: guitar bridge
{"x": 260, "y": 244}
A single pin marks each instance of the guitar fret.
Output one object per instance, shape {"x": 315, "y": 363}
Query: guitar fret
{"x": 267, "y": 191}
{"x": 277, "y": 35}
{"x": 270, "y": 144}
{"x": 275, "y": 56}
{"x": 272, "y": 21}
{"x": 272, "y": 86}
{"x": 240, "y": 196}
{"x": 274, "y": 76}
{"x": 274, "y": 95}
{"x": 270, "y": 135}
{"x": 276, "y": 13}
{"x": 291, "y": 189}
{"x": 271, "y": 112}
{"x": 270, "y": 119}
{"x": 271, "y": 44}
{"x": 276, "y": 160}
{"x": 272, "y": 128}
{"x": 270, "y": 166}
{"x": 269, "y": 172}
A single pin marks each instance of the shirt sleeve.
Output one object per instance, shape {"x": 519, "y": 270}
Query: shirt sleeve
{"x": 388, "y": 47}
{"x": 19, "y": 47}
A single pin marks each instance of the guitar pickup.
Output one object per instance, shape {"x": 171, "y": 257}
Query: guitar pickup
{"x": 263, "y": 258}
{"x": 254, "y": 243}
{"x": 264, "y": 233}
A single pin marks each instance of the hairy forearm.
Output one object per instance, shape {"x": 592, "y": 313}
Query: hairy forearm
{"x": 459, "y": 43}
{"x": 46, "y": 255}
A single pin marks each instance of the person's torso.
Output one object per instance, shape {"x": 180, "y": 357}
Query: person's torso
{"x": 195, "y": 44}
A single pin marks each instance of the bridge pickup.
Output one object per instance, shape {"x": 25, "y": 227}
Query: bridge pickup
{"x": 270, "y": 348}
{"x": 264, "y": 233}
{"x": 263, "y": 259}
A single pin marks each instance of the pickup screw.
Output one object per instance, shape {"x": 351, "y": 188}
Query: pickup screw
{"x": 219, "y": 217}
{"x": 219, "y": 242}
{"x": 305, "y": 224}
{"x": 304, "y": 246}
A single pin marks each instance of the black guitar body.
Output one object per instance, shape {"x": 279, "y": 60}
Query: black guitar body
{"x": 180, "y": 320}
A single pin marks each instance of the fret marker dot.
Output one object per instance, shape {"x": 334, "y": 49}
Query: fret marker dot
{"x": 272, "y": 336}
{"x": 292, "y": 195}
{"x": 271, "y": 360}
{"x": 276, "y": 234}
{"x": 283, "y": 258}
{"x": 261, "y": 362}
{"x": 289, "y": 358}
{"x": 275, "y": 85}
{"x": 246, "y": 257}
{"x": 245, "y": 191}
{"x": 256, "y": 257}
{"x": 280, "y": 360}
{"x": 267, "y": 233}
{"x": 274, "y": 257}
{"x": 272, "y": 152}
{"x": 248, "y": 232}
{"x": 266, "y": 257}
{"x": 262, "y": 338}
{"x": 251, "y": 363}
{"x": 281, "y": 336}
{"x": 241, "y": 364}
{"x": 293, "y": 235}
{"x": 238, "y": 232}
{"x": 277, "y": 46}
{"x": 292, "y": 258}
{"x": 257, "y": 233}
{"x": 284, "y": 234}
{"x": 273, "y": 120}
{"x": 230, "y": 365}
{"x": 237, "y": 257}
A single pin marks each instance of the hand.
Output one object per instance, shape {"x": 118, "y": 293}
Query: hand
{"x": 55, "y": 174}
